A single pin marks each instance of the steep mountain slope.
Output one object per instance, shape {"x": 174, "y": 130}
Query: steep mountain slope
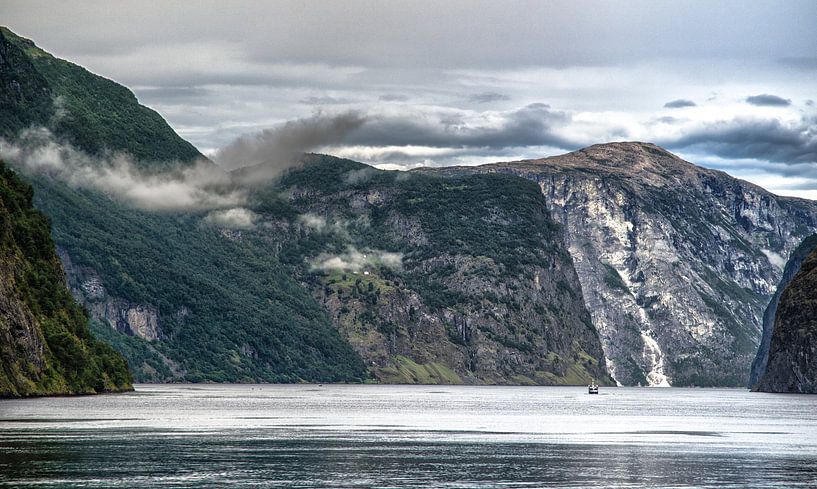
{"x": 439, "y": 280}
{"x": 676, "y": 262}
{"x": 176, "y": 297}
{"x": 487, "y": 294}
{"x": 792, "y": 359}
{"x": 761, "y": 359}
{"x": 81, "y": 108}
{"x": 45, "y": 345}
{"x": 186, "y": 301}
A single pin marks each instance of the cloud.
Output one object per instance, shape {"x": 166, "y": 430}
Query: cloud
{"x": 267, "y": 154}
{"x": 313, "y": 221}
{"x": 775, "y": 259}
{"x": 356, "y": 177}
{"x": 532, "y": 125}
{"x": 679, "y": 103}
{"x": 766, "y": 100}
{"x": 201, "y": 185}
{"x": 236, "y": 218}
{"x": 324, "y": 100}
{"x": 487, "y": 97}
{"x": 393, "y": 97}
{"x": 354, "y": 260}
{"x": 172, "y": 94}
{"x": 773, "y": 140}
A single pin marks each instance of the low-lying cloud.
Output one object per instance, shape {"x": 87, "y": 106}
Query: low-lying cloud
{"x": 199, "y": 185}
{"x": 235, "y": 218}
{"x": 354, "y": 260}
{"x": 265, "y": 155}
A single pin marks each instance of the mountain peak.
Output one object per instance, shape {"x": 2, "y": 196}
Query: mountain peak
{"x": 638, "y": 161}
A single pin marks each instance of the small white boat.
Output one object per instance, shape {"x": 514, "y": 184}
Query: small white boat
{"x": 593, "y": 388}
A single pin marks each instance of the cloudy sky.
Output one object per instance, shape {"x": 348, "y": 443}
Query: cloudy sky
{"x": 728, "y": 85}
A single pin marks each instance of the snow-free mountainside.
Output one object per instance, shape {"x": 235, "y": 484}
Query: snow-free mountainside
{"x": 619, "y": 262}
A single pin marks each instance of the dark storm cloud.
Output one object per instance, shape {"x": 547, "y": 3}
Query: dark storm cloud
{"x": 532, "y": 125}
{"x": 272, "y": 151}
{"x": 680, "y": 103}
{"x": 767, "y": 100}
{"x": 765, "y": 139}
{"x": 487, "y": 97}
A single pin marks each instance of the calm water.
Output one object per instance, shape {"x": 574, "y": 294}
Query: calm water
{"x": 398, "y": 436}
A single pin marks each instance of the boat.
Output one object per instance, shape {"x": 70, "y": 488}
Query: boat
{"x": 593, "y": 388}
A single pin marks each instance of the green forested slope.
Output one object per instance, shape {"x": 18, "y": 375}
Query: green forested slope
{"x": 45, "y": 345}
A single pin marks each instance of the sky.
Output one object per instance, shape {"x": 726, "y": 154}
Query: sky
{"x": 727, "y": 85}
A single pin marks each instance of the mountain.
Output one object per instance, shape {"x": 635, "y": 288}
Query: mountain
{"x": 469, "y": 273}
{"x": 792, "y": 357}
{"x": 792, "y": 267}
{"x": 83, "y": 109}
{"x": 438, "y": 280}
{"x": 676, "y": 262}
{"x": 45, "y": 345}
{"x": 179, "y": 300}
{"x": 344, "y": 273}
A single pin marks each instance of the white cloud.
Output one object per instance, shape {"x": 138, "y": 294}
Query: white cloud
{"x": 236, "y": 218}
{"x": 354, "y": 260}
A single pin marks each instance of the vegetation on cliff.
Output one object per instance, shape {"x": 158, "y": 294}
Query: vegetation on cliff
{"x": 792, "y": 357}
{"x": 46, "y": 345}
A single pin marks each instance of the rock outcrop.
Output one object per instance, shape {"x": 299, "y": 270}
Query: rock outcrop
{"x": 140, "y": 320}
{"x": 792, "y": 358}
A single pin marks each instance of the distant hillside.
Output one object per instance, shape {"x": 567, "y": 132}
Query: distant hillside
{"x": 45, "y": 345}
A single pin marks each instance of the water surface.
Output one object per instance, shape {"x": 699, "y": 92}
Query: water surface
{"x": 310, "y": 436}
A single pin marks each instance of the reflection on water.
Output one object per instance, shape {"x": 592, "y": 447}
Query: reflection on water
{"x": 398, "y": 436}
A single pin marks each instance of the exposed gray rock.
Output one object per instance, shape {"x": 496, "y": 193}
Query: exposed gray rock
{"x": 140, "y": 320}
{"x": 676, "y": 262}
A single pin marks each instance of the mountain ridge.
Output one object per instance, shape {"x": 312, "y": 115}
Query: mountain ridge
{"x": 640, "y": 222}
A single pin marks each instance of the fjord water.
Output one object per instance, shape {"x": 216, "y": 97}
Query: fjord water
{"x": 410, "y": 436}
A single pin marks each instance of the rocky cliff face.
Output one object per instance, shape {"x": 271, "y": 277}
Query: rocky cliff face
{"x": 140, "y": 320}
{"x": 792, "y": 358}
{"x": 761, "y": 359}
{"x": 437, "y": 280}
{"x": 676, "y": 262}
{"x": 45, "y": 345}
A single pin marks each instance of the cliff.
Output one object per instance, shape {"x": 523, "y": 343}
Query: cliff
{"x": 436, "y": 280}
{"x": 769, "y": 315}
{"x": 792, "y": 357}
{"x": 45, "y": 345}
{"x": 676, "y": 262}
